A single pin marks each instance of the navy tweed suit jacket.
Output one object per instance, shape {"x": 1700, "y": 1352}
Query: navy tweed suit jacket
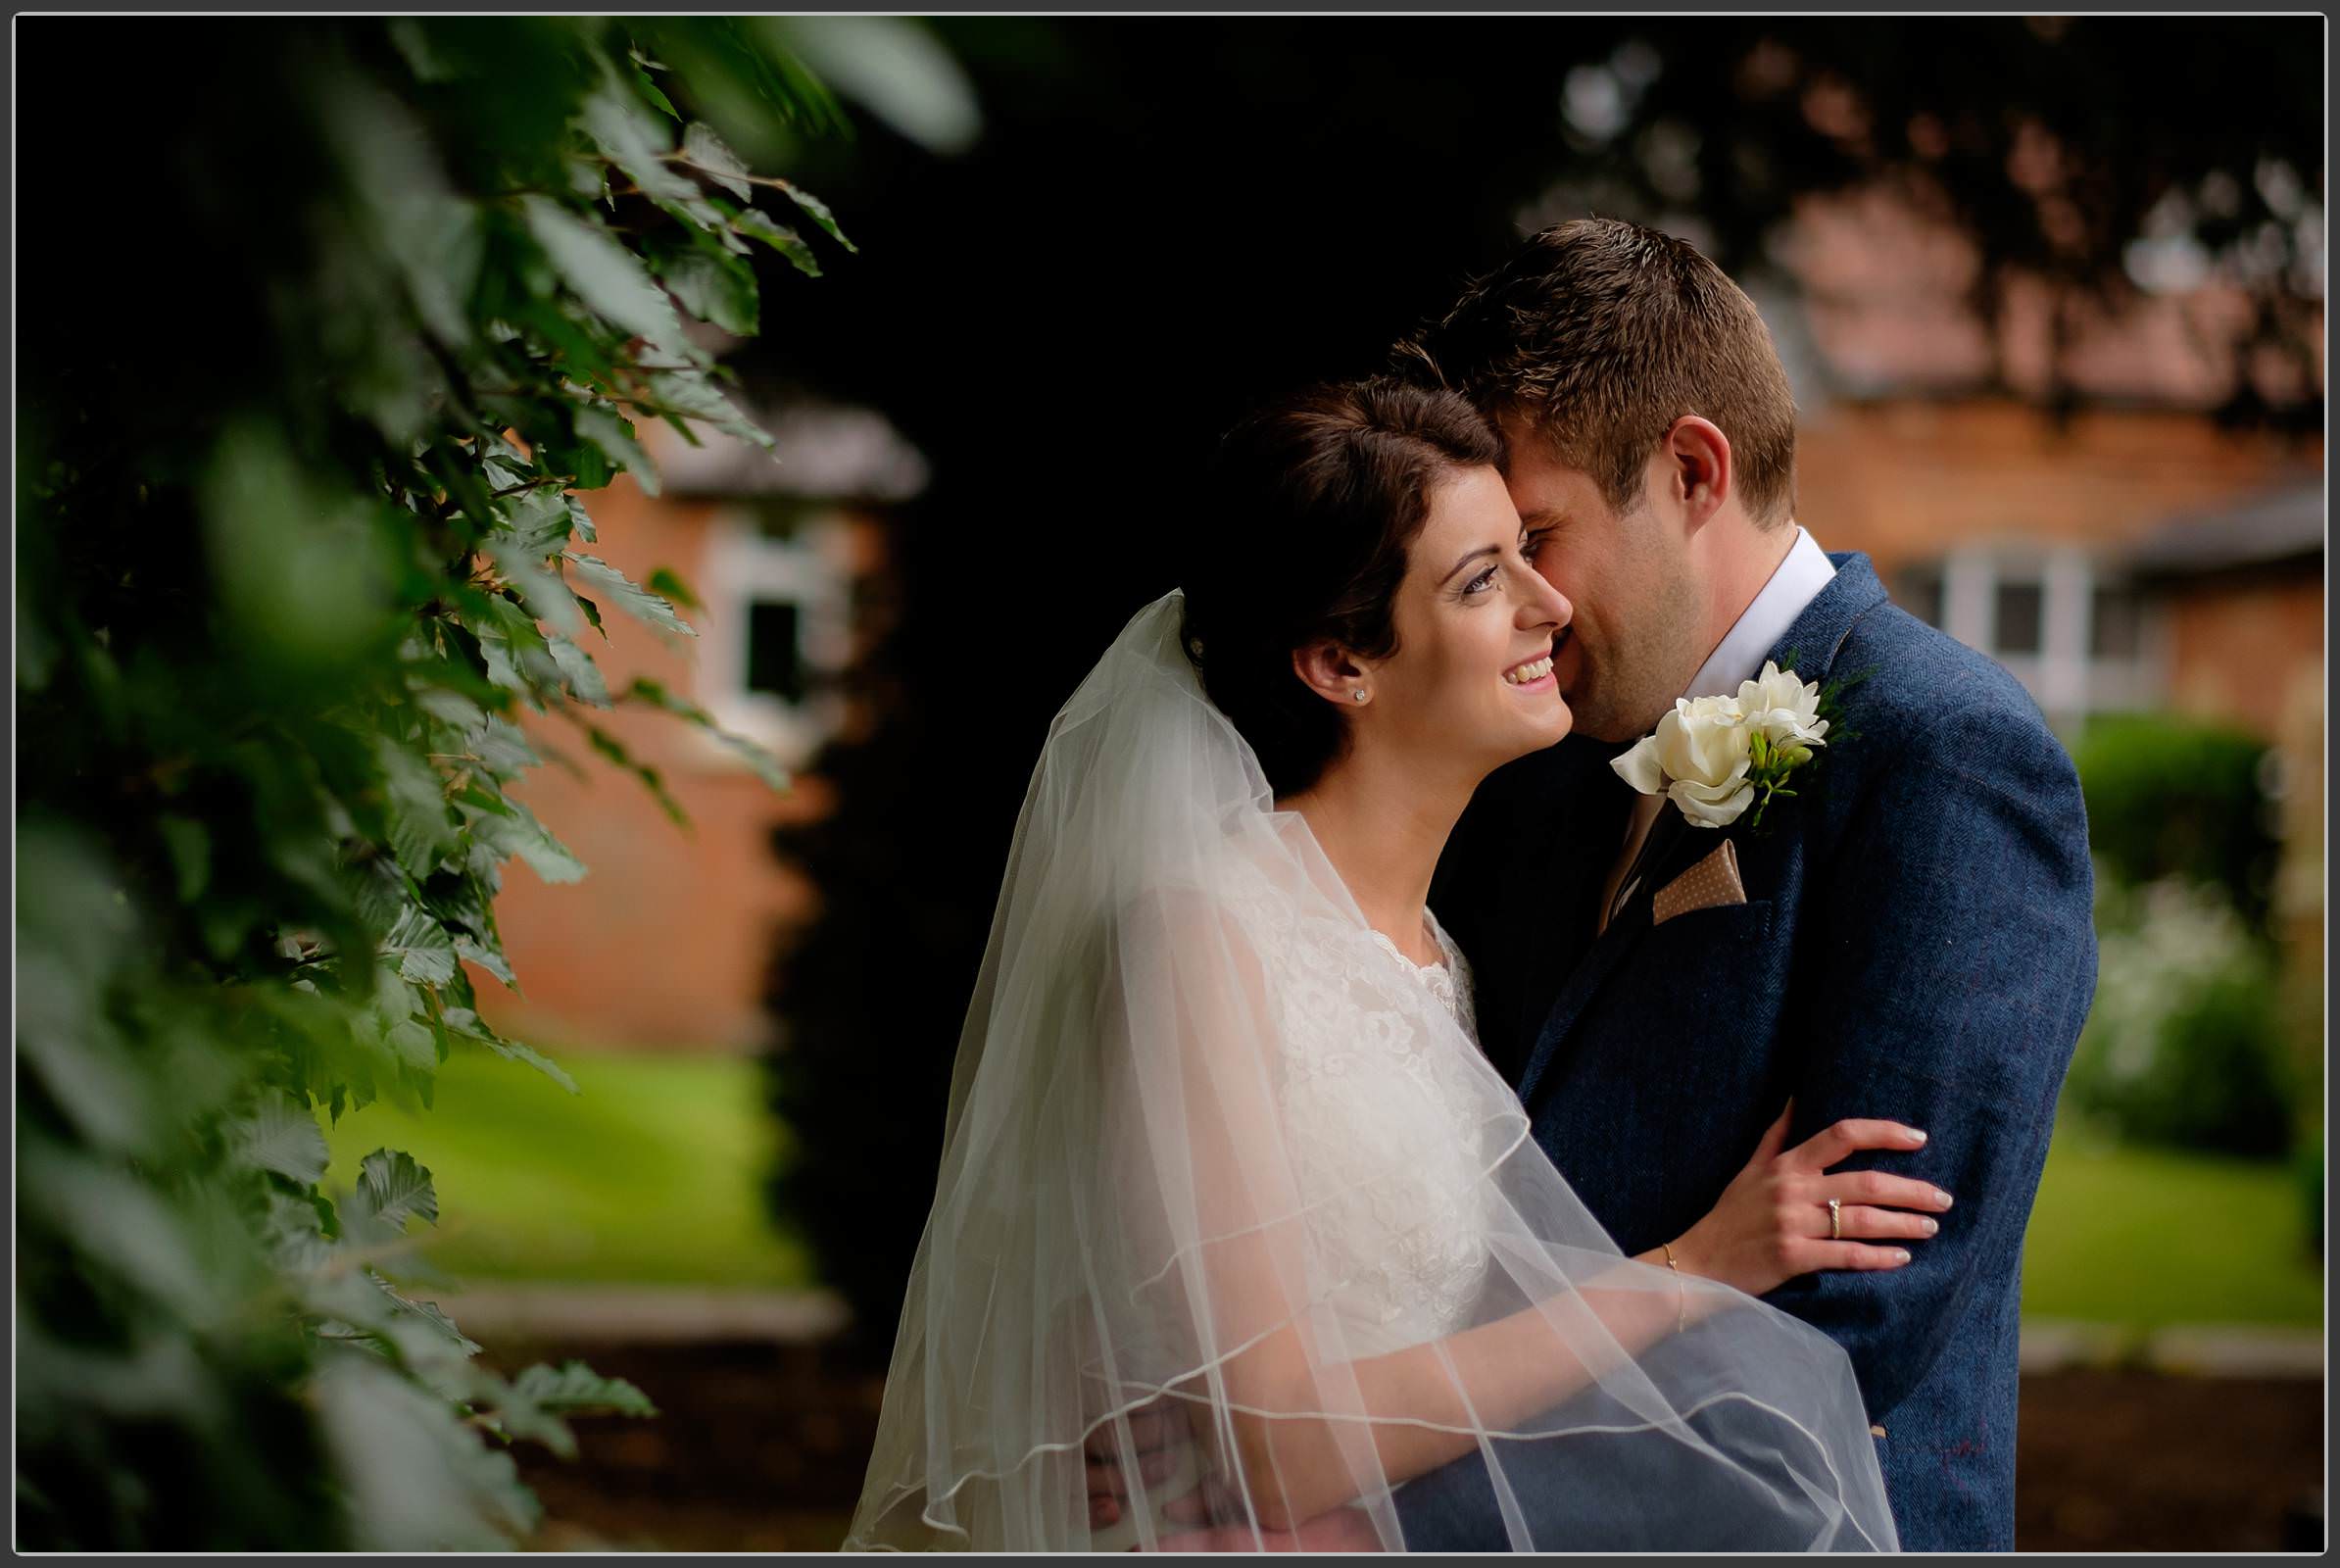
{"x": 1917, "y": 943}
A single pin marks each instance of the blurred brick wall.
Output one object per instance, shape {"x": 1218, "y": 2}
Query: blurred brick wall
{"x": 1906, "y": 479}
{"x": 664, "y": 943}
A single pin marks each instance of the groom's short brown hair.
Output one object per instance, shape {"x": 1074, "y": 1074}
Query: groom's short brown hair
{"x": 1600, "y": 334}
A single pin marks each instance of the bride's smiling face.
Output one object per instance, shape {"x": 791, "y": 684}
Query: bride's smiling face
{"x": 1471, "y": 682}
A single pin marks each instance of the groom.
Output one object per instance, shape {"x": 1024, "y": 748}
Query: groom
{"x": 1906, "y": 936}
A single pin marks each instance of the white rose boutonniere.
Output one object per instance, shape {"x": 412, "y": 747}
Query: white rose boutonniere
{"x": 1714, "y": 756}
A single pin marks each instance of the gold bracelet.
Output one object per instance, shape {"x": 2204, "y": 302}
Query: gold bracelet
{"x": 1682, "y": 1293}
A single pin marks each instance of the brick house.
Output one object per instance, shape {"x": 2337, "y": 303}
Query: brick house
{"x": 2136, "y": 554}
{"x": 665, "y": 943}
{"x": 2059, "y": 546}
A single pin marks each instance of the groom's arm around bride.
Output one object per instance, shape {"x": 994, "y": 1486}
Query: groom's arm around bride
{"x": 1948, "y": 963}
{"x": 1907, "y": 936}
{"x": 1916, "y": 946}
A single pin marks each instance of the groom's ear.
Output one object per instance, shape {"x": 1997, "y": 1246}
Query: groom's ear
{"x": 1332, "y": 672}
{"x": 1700, "y": 471}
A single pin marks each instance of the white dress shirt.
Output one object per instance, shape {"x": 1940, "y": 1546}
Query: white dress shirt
{"x": 1794, "y": 583}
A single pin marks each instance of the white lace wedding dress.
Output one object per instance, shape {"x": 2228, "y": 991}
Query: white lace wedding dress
{"x": 1215, "y": 1145}
{"x": 1384, "y": 1118}
{"x": 1399, "y": 1195}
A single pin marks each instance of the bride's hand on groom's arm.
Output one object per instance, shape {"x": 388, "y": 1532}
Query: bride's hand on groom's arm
{"x": 1772, "y": 1222}
{"x": 1156, "y": 1431}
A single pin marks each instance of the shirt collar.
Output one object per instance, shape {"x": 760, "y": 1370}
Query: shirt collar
{"x": 1738, "y": 656}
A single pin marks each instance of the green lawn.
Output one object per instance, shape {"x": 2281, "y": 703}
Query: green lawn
{"x": 2148, "y": 1238}
{"x": 649, "y": 1174}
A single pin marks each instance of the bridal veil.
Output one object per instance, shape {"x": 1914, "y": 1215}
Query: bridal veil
{"x": 1210, "y": 1152}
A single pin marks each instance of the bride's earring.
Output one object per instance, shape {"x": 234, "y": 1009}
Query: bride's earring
{"x": 1358, "y": 695}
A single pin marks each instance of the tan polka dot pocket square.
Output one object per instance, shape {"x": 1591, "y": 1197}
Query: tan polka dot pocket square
{"x": 1713, "y": 881}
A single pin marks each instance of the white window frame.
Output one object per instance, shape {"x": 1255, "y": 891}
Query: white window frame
{"x": 2063, "y": 677}
{"x": 747, "y": 567}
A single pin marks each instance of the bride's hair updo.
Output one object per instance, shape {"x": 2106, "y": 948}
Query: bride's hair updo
{"x": 1312, "y": 503}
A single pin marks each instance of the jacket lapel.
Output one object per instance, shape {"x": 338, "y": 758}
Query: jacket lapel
{"x": 1607, "y": 951}
{"x": 1815, "y": 638}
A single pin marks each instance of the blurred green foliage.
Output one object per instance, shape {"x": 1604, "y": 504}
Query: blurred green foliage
{"x": 2186, "y": 1043}
{"x": 298, "y": 540}
{"x": 2170, "y": 796}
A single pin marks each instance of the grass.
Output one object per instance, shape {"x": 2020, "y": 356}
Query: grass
{"x": 650, "y": 1175}
{"x": 2148, "y": 1238}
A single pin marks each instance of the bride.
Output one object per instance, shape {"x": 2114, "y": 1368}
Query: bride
{"x": 1236, "y": 1231}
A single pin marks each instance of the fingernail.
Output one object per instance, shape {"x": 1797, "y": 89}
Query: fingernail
{"x": 1931, "y": 1227}
{"x": 1900, "y": 1257}
{"x": 1941, "y": 1197}
{"x": 1916, "y": 1136}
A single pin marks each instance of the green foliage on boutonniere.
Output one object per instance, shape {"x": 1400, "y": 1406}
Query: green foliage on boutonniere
{"x": 1771, "y": 764}
{"x": 1768, "y": 768}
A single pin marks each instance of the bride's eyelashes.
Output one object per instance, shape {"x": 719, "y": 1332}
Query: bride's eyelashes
{"x": 1529, "y": 544}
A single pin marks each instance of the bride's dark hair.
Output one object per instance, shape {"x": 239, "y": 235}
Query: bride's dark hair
{"x": 1311, "y": 504}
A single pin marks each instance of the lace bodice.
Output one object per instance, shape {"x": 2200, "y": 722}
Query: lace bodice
{"x": 1389, "y": 1145}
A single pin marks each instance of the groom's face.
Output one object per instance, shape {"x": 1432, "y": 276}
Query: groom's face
{"x": 1631, "y": 648}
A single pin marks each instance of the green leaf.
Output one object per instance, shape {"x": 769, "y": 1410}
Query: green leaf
{"x": 513, "y": 1050}
{"x": 895, "y": 68}
{"x": 472, "y": 950}
{"x": 605, "y": 276}
{"x": 663, "y": 581}
{"x": 765, "y": 766}
{"x": 283, "y": 1136}
{"x": 621, "y": 127}
{"x": 577, "y": 667}
{"x": 466, "y": 1025}
{"x": 712, "y": 285}
{"x": 637, "y": 602}
{"x": 539, "y": 520}
{"x": 421, "y": 949}
{"x": 442, "y": 1326}
{"x": 707, "y": 152}
{"x": 650, "y": 90}
{"x": 448, "y": 707}
{"x": 575, "y": 1388}
{"x": 704, "y": 215}
{"x": 392, "y": 1188}
{"x": 693, "y": 395}
{"x": 610, "y": 747}
{"x": 786, "y": 242}
{"x": 818, "y": 210}
{"x": 615, "y": 438}
{"x": 500, "y": 746}
{"x": 422, "y": 829}
{"x": 540, "y": 587}
{"x": 522, "y": 834}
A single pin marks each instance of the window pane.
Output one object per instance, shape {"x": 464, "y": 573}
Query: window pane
{"x": 1918, "y": 590}
{"x": 2115, "y": 622}
{"x": 775, "y": 657}
{"x": 2016, "y": 617}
